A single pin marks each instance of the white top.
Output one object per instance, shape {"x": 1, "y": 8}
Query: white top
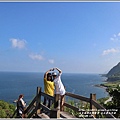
{"x": 23, "y": 103}
{"x": 59, "y": 85}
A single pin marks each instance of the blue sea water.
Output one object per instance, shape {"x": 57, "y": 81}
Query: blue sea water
{"x": 14, "y": 83}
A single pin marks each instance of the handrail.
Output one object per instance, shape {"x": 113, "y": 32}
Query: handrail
{"x": 71, "y": 107}
{"x": 97, "y": 105}
{"x": 47, "y": 96}
{"x": 38, "y": 104}
{"x": 30, "y": 105}
{"x": 45, "y": 107}
{"x": 78, "y": 97}
{"x": 89, "y": 100}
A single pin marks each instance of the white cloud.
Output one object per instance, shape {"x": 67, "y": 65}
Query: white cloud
{"x": 112, "y": 39}
{"x": 16, "y": 43}
{"x": 108, "y": 51}
{"x": 51, "y": 61}
{"x": 115, "y": 38}
{"x": 36, "y": 57}
{"x": 118, "y": 34}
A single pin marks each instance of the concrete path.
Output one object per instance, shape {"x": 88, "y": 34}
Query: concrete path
{"x": 110, "y": 99}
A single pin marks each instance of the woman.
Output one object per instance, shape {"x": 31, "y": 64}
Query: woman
{"x": 20, "y": 106}
{"x": 59, "y": 87}
{"x": 48, "y": 86}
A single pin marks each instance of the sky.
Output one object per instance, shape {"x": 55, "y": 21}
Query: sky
{"x": 77, "y": 37}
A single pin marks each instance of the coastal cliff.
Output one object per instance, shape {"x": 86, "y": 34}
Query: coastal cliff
{"x": 113, "y": 78}
{"x": 114, "y": 73}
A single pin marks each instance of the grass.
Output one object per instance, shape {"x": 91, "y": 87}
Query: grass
{"x": 111, "y": 84}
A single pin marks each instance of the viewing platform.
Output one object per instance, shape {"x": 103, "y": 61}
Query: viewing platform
{"x": 89, "y": 108}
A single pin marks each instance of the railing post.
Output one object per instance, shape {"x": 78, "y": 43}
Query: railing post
{"x": 55, "y": 113}
{"x": 38, "y": 100}
{"x": 92, "y": 107}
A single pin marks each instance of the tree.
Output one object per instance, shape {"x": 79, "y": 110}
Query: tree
{"x": 115, "y": 103}
{"x": 6, "y": 109}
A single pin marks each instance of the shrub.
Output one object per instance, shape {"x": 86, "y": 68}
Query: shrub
{"x": 6, "y": 109}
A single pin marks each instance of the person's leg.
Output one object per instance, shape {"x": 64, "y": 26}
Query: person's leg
{"x": 49, "y": 103}
{"x": 62, "y": 102}
{"x": 23, "y": 115}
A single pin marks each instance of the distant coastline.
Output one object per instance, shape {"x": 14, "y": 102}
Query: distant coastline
{"x": 103, "y": 87}
{"x": 102, "y": 84}
{"x": 108, "y": 84}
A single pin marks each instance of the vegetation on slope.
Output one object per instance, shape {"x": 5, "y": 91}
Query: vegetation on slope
{"x": 6, "y": 109}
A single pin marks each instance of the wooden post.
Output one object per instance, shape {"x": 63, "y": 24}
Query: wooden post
{"x": 92, "y": 107}
{"x": 55, "y": 113}
{"x": 38, "y": 100}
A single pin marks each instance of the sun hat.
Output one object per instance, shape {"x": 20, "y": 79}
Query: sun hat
{"x": 54, "y": 74}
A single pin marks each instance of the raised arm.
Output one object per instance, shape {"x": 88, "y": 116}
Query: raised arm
{"x": 60, "y": 71}
{"x": 45, "y": 75}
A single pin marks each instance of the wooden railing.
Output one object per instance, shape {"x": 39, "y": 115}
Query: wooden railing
{"x": 94, "y": 106}
{"x": 36, "y": 105}
{"x": 33, "y": 110}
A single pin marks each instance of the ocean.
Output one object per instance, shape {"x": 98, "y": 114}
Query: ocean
{"x": 14, "y": 83}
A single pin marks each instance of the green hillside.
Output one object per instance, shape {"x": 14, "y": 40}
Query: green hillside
{"x": 114, "y": 73}
{"x": 6, "y": 109}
